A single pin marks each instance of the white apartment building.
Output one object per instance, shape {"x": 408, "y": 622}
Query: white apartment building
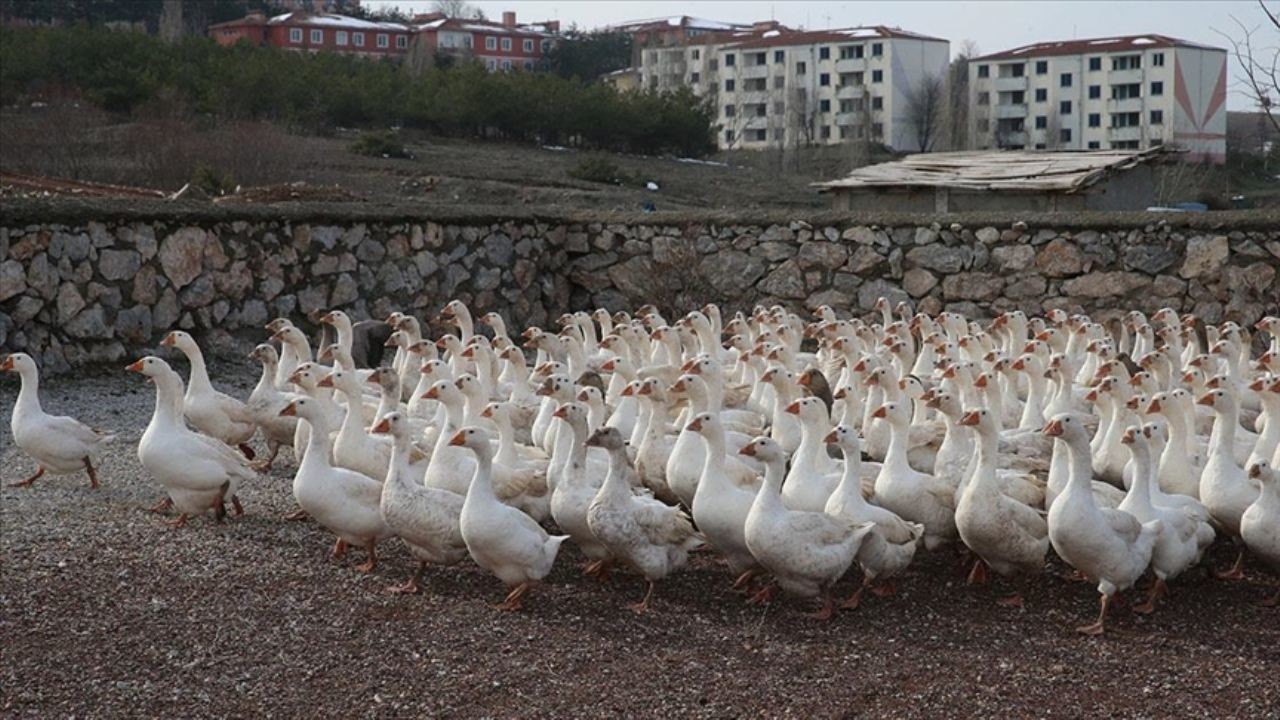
{"x": 1131, "y": 92}
{"x": 773, "y": 87}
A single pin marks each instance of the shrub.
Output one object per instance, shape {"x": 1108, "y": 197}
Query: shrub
{"x": 213, "y": 180}
{"x": 379, "y": 144}
{"x": 596, "y": 169}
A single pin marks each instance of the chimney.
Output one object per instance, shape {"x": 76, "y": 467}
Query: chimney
{"x": 761, "y": 26}
{"x": 509, "y": 18}
{"x": 553, "y": 26}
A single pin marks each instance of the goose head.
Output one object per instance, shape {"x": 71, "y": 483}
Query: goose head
{"x": 1070, "y": 427}
{"x": 21, "y": 363}
{"x": 765, "y": 449}
{"x": 149, "y": 366}
{"x": 181, "y": 340}
{"x": 558, "y": 387}
{"x": 394, "y": 424}
{"x": 896, "y": 413}
{"x": 338, "y": 319}
{"x": 845, "y": 438}
{"x": 277, "y": 325}
{"x": 810, "y": 410}
{"x": 573, "y": 413}
{"x": 608, "y": 438}
{"x": 305, "y": 408}
{"x": 265, "y": 354}
{"x": 982, "y": 419}
{"x": 474, "y": 439}
{"x": 1262, "y": 473}
{"x": 387, "y": 379}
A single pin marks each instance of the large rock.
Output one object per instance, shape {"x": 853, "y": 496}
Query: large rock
{"x": 864, "y": 260}
{"x": 821, "y": 255}
{"x": 875, "y": 289}
{"x": 70, "y": 302}
{"x": 1104, "y": 284}
{"x": 732, "y": 272}
{"x": 1026, "y": 286}
{"x": 144, "y": 285}
{"x": 634, "y": 278}
{"x": 786, "y": 281}
{"x": 118, "y": 264}
{"x": 940, "y": 258}
{"x": 972, "y": 286}
{"x": 345, "y": 290}
{"x": 42, "y": 276}
{"x": 133, "y": 325}
{"x": 918, "y": 282}
{"x": 1204, "y": 255}
{"x": 182, "y": 255}
{"x": 198, "y": 294}
{"x": 774, "y": 251}
{"x": 91, "y": 324}
{"x": 500, "y": 250}
{"x": 13, "y": 279}
{"x": 1150, "y": 259}
{"x": 831, "y": 298}
{"x": 73, "y": 247}
{"x": 166, "y": 311}
{"x": 1012, "y": 258}
{"x": 1060, "y": 258}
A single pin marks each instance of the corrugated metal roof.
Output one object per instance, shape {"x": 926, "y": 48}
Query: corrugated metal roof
{"x": 1060, "y": 171}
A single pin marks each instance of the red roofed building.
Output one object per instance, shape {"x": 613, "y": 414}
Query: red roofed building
{"x": 1124, "y": 93}
{"x": 507, "y": 45}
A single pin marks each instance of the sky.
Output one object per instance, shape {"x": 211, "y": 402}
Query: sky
{"x": 994, "y": 26}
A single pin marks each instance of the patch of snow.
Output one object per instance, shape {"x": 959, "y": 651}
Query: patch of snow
{"x": 651, "y": 186}
{"x": 1143, "y": 41}
{"x": 555, "y": 148}
{"x": 860, "y": 32}
{"x": 771, "y": 33}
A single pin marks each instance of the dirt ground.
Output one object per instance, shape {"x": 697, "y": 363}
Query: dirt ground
{"x": 104, "y": 612}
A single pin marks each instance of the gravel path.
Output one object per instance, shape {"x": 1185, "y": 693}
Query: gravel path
{"x": 104, "y": 612}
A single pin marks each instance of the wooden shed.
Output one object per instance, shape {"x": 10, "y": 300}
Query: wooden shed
{"x": 1002, "y": 180}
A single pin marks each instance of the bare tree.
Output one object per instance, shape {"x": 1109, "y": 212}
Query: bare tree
{"x": 457, "y": 9}
{"x": 924, "y": 110}
{"x": 1053, "y": 132}
{"x": 1259, "y": 62}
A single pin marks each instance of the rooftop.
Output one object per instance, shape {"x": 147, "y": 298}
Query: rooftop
{"x": 1053, "y": 171}
{"x": 675, "y": 21}
{"x": 1134, "y": 43}
{"x": 836, "y": 35}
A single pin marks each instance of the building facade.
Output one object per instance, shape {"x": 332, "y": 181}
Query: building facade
{"x": 499, "y": 46}
{"x": 1122, "y": 93}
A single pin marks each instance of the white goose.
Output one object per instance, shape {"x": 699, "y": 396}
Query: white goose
{"x": 59, "y": 444}
{"x": 266, "y": 402}
{"x": 1260, "y": 524}
{"x": 213, "y": 413}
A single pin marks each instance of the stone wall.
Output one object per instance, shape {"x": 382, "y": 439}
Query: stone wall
{"x": 102, "y": 282}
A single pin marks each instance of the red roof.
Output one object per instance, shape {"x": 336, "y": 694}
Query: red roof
{"x": 840, "y": 35}
{"x": 1135, "y": 43}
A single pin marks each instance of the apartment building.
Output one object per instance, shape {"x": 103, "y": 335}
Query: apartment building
{"x": 505, "y": 45}
{"x": 676, "y": 30}
{"x": 1133, "y": 92}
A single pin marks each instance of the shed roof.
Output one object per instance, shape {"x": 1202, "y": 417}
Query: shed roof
{"x": 1008, "y": 170}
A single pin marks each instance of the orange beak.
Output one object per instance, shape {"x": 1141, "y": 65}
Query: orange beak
{"x": 458, "y": 439}
{"x": 646, "y": 390}
{"x": 678, "y": 387}
{"x": 328, "y": 318}
{"x": 628, "y": 391}
{"x": 135, "y": 366}
{"x": 373, "y": 379}
{"x": 487, "y": 412}
{"x": 431, "y": 394}
{"x": 880, "y": 412}
{"x": 609, "y": 365}
{"x": 382, "y": 427}
{"x": 1153, "y": 407}
{"x": 1207, "y": 399}
{"x": 1092, "y": 396}
{"x": 390, "y": 343}
{"x": 277, "y": 336}
{"x": 469, "y": 352}
{"x": 1257, "y": 385}
{"x": 325, "y": 382}
{"x": 560, "y": 412}
{"x": 970, "y": 418}
{"x": 749, "y": 450}
{"x": 805, "y": 379}
{"x": 1054, "y": 428}
{"x": 794, "y": 408}
{"x": 830, "y": 438}
{"x": 169, "y": 340}
{"x": 840, "y": 394}
{"x": 1129, "y": 437}
{"x": 290, "y": 410}
{"x": 695, "y": 426}
{"x": 296, "y": 377}
{"x": 687, "y": 366}
{"x": 981, "y": 381}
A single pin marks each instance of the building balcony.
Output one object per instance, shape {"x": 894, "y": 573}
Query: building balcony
{"x": 753, "y": 71}
{"x": 1124, "y": 77}
{"x": 1006, "y": 84}
{"x": 1133, "y": 132}
{"x": 850, "y": 92}
{"x": 1010, "y": 111}
{"x": 755, "y": 122}
{"x": 1125, "y": 105}
{"x": 851, "y": 65}
{"x": 850, "y": 119}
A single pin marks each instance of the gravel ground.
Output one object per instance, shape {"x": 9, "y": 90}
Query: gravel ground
{"x": 107, "y": 613}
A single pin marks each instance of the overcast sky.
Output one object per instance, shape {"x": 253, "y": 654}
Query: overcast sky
{"x": 993, "y": 26}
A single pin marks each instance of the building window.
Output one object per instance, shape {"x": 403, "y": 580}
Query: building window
{"x": 761, "y": 110}
{"x": 851, "y": 52}
{"x": 506, "y": 44}
{"x": 1064, "y": 107}
{"x": 1095, "y": 119}
{"x": 984, "y": 98}
{"x": 528, "y": 47}
{"x": 1126, "y": 62}
{"x": 544, "y": 45}
{"x": 728, "y": 85}
{"x": 728, "y": 137}
{"x": 317, "y": 37}
{"x": 984, "y": 71}
{"x": 695, "y": 54}
{"x": 800, "y": 68}
{"x": 779, "y": 107}
{"x": 506, "y": 64}
{"x": 695, "y": 78}
{"x": 877, "y": 102}
{"x": 491, "y": 65}
{"x": 761, "y": 135}
{"x": 528, "y": 64}
{"x": 1126, "y": 119}
{"x": 1042, "y": 67}
{"x": 824, "y": 53}
{"x": 730, "y": 111}
{"x": 779, "y": 82}
{"x": 1064, "y": 135}
{"x": 877, "y": 130}
{"x": 358, "y": 38}
{"x": 1157, "y": 60}
{"x": 295, "y": 35}
{"x": 824, "y": 106}
{"x": 1042, "y": 95}
{"x": 383, "y": 40}
{"x": 1095, "y": 92}
{"x": 1095, "y": 145}
{"x": 1157, "y": 117}
{"x": 778, "y": 133}
{"x": 877, "y": 49}
{"x": 779, "y": 56}
{"x": 824, "y": 79}
{"x": 1126, "y": 91}
{"x": 1095, "y": 64}
{"x": 853, "y": 79}
{"x": 491, "y": 43}
{"x": 1065, "y": 80}
{"x": 728, "y": 60}
{"x": 761, "y": 58}
{"x": 824, "y": 132}
{"x": 340, "y": 37}
{"x": 1157, "y": 88}
{"x": 1042, "y": 122}
{"x": 402, "y": 41}
{"x": 877, "y": 76}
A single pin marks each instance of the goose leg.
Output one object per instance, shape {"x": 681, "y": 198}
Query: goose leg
{"x": 162, "y": 506}
{"x": 744, "y": 580}
{"x": 764, "y": 596}
{"x": 1237, "y": 569}
{"x": 339, "y": 549}
{"x": 978, "y": 575}
{"x": 827, "y": 610}
{"x": 515, "y": 599}
{"x": 372, "y": 562}
{"x": 644, "y": 604}
{"x": 1097, "y": 627}
{"x": 1158, "y": 588}
{"x": 410, "y": 587}
{"x": 235, "y": 503}
{"x": 885, "y": 589}
{"x": 93, "y": 474}
{"x": 298, "y": 514}
{"x": 30, "y": 480}
{"x": 856, "y": 598}
{"x": 179, "y": 522}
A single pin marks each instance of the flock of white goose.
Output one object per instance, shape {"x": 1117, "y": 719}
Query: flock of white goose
{"x": 793, "y": 449}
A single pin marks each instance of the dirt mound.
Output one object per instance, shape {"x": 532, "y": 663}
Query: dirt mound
{"x": 19, "y": 185}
